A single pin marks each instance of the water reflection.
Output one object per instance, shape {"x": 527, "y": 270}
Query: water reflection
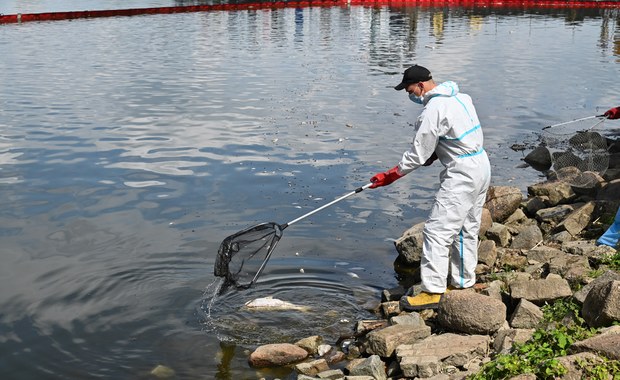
{"x": 131, "y": 146}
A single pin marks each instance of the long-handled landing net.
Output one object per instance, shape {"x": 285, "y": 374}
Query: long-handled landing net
{"x": 242, "y": 256}
{"x": 577, "y": 153}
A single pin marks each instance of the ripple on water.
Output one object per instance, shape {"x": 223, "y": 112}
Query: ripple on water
{"x": 335, "y": 298}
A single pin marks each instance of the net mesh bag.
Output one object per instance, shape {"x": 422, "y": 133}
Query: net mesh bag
{"x": 242, "y": 256}
{"x": 577, "y": 154}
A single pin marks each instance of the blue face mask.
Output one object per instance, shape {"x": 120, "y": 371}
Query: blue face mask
{"x": 416, "y": 99}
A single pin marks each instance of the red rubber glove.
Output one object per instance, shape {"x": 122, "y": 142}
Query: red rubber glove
{"x": 385, "y": 178}
{"x": 613, "y": 113}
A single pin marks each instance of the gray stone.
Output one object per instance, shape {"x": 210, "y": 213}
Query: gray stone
{"x": 393, "y": 294}
{"x": 609, "y": 191}
{"x": 409, "y": 245}
{"x": 451, "y": 349}
{"x": 602, "y": 304}
{"x": 334, "y": 356}
{"x": 540, "y": 291}
{"x": 534, "y": 204}
{"x": 502, "y": 201}
{"x": 607, "y": 344}
{"x": 589, "y": 249}
{"x": 610, "y": 275}
{"x": 494, "y": 290}
{"x": 539, "y": 158}
{"x": 574, "y": 268}
{"x": 554, "y": 215}
{"x": 371, "y": 366}
{"x": 390, "y": 308}
{"x": 509, "y": 277}
{"x": 543, "y": 254}
{"x": 411, "y": 319}
{"x": 560, "y": 237}
{"x": 511, "y": 258}
{"x": 303, "y": 377}
{"x": 485, "y": 221}
{"x": 277, "y": 355}
{"x": 470, "y": 312}
{"x": 505, "y": 339}
{"x": 310, "y": 343}
{"x": 323, "y": 349}
{"x": 574, "y": 364}
{"x": 312, "y": 368}
{"x": 487, "y": 252}
{"x": 528, "y": 238}
{"x": 526, "y": 315}
{"x": 367, "y": 325}
{"x": 577, "y": 220}
{"x": 383, "y": 342}
{"x": 499, "y": 234}
{"x": 554, "y": 192}
{"x": 334, "y": 374}
{"x": 420, "y": 366}
{"x": 517, "y": 218}
{"x": 587, "y": 183}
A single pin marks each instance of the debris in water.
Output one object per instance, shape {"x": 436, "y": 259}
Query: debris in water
{"x": 163, "y": 372}
{"x": 270, "y": 303}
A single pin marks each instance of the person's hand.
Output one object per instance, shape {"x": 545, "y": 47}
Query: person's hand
{"x": 612, "y": 113}
{"x": 385, "y": 178}
{"x": 430, "y": 160}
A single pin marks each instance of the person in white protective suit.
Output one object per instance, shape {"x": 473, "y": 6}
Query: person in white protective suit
{"x": 448, "y": 129}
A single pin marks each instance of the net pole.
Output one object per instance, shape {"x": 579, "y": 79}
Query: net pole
{"x": 359, "y": 189}
{"x": 573, "y": 121}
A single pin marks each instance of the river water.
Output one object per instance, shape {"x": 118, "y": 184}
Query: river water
{"x": 130, "y": 147}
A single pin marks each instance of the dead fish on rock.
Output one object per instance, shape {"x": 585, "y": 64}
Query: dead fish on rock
{"x": 270, "y": 303}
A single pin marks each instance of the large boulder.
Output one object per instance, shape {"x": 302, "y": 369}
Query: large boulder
{"x": 540, "y": 291}
{"x": 577, "y": 220}
{"x": 469, "y": 312}
{"x": 384, "y": 341}
{"x": 409, "y": 245}
{"x": 610, "y": 275}
{"x": 539, "y": 158}
{"x": 602, "y": 304}
{"x": 553, "y": 192}
{"x": 607, "y": 343}
{"x": 526, "y": 315}
{"x": 502, "y": 201}
{"x": 429, "y": 356}
{"x": 276, "y": 355}
{"x": 528, "y": 237}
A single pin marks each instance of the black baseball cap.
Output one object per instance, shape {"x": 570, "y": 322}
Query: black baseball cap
{"x": 414, "y": 74}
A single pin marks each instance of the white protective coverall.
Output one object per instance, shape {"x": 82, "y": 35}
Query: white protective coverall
{"x": 449, "y": 127}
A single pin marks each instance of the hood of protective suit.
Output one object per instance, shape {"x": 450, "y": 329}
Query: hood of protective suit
{"x": 448, "y": 88}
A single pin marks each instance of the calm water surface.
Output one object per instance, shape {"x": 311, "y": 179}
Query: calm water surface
{"x": 131, "y": 147}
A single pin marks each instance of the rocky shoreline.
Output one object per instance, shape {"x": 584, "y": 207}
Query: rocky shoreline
{"x": 546, "y": 303}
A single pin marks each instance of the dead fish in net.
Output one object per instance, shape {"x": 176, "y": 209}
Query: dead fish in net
{"x": 270, "y": 303}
